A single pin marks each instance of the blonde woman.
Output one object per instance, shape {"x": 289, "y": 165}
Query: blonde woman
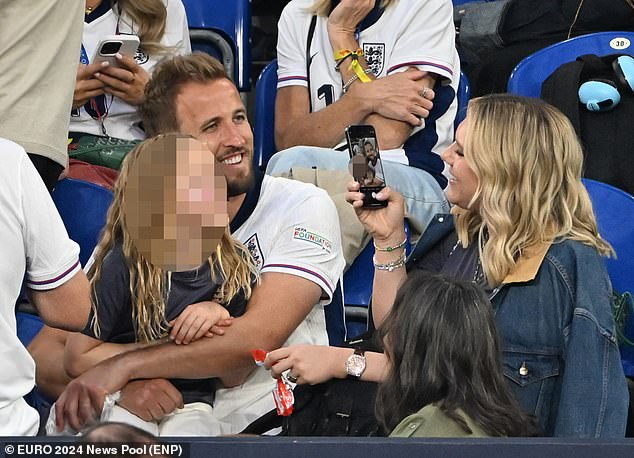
{"x": 165, "y": 267}
{"x": 105, "y": 99}
{"x": 525, "y": 232}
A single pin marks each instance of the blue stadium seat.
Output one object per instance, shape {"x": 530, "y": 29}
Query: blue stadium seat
{"x": 462, "y": 2}
{"x": 530, "y": 73}
{"x": 357, "y": 288}
{"x": 463, "y": 95}
{"x": 265, "y": 92}
{"x": 28, "y": 326}
{"x": 614, "y": 210}
{"x": 336, "y": 324}
{"x": 222, "y": 28}
{"x": 83, "y": 207}
{"x": 264, "y": 131}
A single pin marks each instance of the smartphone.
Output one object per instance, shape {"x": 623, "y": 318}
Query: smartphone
{"x": 365, "y": 160}
{"x": 111, "y": 45}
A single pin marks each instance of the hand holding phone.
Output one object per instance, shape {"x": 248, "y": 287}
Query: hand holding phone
{"x": 123, "y": 77}
{"x": 365, "y": 160}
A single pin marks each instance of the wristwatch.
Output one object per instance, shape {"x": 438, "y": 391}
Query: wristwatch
{"x": 355, "y": 364}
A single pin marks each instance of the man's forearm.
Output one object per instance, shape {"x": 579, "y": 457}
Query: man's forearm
{"x": 322, "y": 128}
{"x": 221, "y": 356}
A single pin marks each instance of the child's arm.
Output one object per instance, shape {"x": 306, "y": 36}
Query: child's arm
{"x": 202, "y": 319}
{"x": 82, "y": 352}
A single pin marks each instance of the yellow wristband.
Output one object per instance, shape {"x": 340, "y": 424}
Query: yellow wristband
{"x": 358, "y": 70}
{"x": 343, "y": 53}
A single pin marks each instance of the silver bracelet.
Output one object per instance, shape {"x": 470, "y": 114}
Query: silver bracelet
{"x": 390, "y": 266}
{"x": 349, "y": 82}
{"x": 390, "y": 248}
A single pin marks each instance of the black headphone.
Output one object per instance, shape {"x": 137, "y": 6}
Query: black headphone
{"x": 600, "y": 94}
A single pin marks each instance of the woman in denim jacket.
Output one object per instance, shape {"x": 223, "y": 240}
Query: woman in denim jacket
{"x": 522, "y": 227}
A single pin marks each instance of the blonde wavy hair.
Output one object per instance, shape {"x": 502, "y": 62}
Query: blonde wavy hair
{"x": 528, "y": 161}
{"x": 323, "y": 7}
{"x": 149, "y": 17}
{"x": 149, "y": 285}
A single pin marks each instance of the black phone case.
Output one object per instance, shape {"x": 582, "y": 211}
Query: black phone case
{"x": 354, "y": 134}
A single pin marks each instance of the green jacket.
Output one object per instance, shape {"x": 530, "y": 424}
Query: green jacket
{"x": 430, "y": 421}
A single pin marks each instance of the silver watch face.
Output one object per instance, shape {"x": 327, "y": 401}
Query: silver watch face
{"x": 355, "y": 365}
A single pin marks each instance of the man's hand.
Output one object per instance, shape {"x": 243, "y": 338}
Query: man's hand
{"x": 126, "y": 82}
{"x": 150, "y": 400}
{"x": 86, "y": 84}
{"x": 398, "y": 96}
{"x": 82, "y": 400}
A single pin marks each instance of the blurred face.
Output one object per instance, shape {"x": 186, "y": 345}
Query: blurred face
{"x": 176, "y": 205}
{"x": 463, "y": 182}
{"x": 213, "y": 113}
{"x": 370, "y": 153}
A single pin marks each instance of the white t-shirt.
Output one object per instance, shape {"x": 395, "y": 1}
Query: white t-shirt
{"x": 122, "y": 120}
{"x": 293, "y": 229}
{"x": 409, "y": 33}
{"x": 32, "y": 239}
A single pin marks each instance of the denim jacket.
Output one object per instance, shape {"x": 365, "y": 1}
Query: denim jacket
{"x": 560, "y": 353}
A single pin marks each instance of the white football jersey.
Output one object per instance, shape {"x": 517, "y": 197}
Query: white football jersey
{"x": 409, "y": 33}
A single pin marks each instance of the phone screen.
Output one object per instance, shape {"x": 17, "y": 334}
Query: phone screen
{"x": 366, "y": 165}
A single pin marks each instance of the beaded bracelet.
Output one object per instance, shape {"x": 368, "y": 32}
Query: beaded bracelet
{"x": 390, "y": 266}
{"x": 390, "y": 248}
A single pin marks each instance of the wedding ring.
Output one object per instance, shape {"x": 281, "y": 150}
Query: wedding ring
{"x": 291, "y": 378}
{"x": 423, "y": 92}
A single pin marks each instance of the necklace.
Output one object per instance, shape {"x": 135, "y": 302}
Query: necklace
{"x": 90, "y": 8}
{"x": 478, "y": 272}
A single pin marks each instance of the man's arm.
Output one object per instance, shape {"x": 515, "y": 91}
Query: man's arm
{"x": 277, "y": 307}
{"x": 82, "y": 352}
{"x": 66, "y": 306}
{"x": 47, "y": 350}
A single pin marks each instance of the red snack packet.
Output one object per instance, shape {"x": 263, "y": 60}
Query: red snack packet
{"x": 259, "y": 356}
{"x": 284, "y": 398}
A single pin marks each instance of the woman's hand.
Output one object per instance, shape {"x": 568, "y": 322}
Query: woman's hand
{"x": 202, "y": 319}
{"x": 310, "y": 364}
{"x": 126, "y": 82}
{"x": 385, "y": 225}
{"x": 347, "y": 15}
{"x": 87, "y": 85}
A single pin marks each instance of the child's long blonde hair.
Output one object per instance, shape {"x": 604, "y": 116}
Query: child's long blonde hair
{"x": 231, "y": 264}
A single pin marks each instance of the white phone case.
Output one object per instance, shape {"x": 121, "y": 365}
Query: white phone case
{"x": 111, "y": 45}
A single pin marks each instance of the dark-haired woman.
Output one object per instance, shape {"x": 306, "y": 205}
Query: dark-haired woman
{"x": 444, "y": 375}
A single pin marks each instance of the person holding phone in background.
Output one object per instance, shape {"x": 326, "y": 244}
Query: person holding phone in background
{"x": 370, "y": 62}
{"x": 106, "y": 95}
